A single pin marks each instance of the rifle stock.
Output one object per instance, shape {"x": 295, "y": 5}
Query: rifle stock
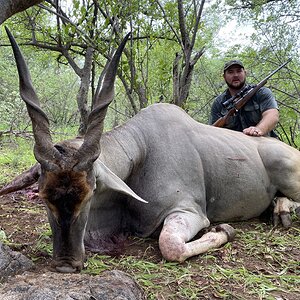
{"x": 239, "y": 102}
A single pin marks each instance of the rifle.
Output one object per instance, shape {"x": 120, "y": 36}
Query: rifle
{"x": 235, "y": 103}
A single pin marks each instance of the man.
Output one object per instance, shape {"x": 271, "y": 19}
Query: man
{"x": 260, "y": 114}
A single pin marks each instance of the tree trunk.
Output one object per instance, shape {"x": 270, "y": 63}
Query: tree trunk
{"x": 11, "y": 7}
{"x": 183, "y": 73}
{"x": 132, "y": 86}
{"x": 176, "y": 77}
{"x": 82, "y": 96}
{"x": 184, "y": 63}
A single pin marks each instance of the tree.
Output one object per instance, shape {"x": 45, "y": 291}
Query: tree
{"x": 184, "y": 62}
{"x": 60, "y": 38}
{"x": 100, "y": 26}
{"x": 158, "y": 63}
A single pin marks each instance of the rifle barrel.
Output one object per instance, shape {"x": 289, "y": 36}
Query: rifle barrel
{"x": 280, "y": 67}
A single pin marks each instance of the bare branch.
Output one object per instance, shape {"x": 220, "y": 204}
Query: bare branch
{"x": 184, "y": 35}
{"x": 196, "y": 26}
{"x": 65, "y": 18}
{"x": 170, "y": 25}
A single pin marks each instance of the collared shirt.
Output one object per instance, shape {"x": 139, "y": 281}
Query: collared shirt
{"x": 248, "y": 115}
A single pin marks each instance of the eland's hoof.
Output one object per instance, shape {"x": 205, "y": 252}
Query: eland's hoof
{"x": 229, "y": 230}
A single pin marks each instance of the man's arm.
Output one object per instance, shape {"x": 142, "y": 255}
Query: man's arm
{"x": 268, "y": 122}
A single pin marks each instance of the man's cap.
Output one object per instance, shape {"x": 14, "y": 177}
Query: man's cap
{"x": 233, "y": 62}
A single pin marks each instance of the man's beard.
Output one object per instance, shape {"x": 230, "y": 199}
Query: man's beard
{"x": 236, "y": 87}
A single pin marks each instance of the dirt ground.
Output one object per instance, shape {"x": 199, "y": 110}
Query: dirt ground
{"x": 23, "y": 219}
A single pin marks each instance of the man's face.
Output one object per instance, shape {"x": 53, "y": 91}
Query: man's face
{"x": 235, "y": 77}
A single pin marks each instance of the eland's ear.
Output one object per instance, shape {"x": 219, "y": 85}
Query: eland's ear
{"x": 112, "y": 181}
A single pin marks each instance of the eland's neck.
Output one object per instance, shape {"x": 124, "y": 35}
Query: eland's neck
{"x": 122, "y": 149}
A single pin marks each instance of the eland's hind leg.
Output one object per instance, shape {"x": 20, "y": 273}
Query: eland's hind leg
{"x": 282, "y": 164}
{"x": 283, "y": 209}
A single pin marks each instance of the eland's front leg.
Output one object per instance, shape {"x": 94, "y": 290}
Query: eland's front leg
{"x": 179, "y": 228}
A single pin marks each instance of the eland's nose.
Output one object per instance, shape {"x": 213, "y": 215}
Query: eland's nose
{"x": 66, "y": 269}
{"x": 63, "y": 266}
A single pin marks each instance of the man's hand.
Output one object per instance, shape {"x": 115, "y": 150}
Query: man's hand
{"x": 268, "y": 122}
{"x": 255, "y": 131}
